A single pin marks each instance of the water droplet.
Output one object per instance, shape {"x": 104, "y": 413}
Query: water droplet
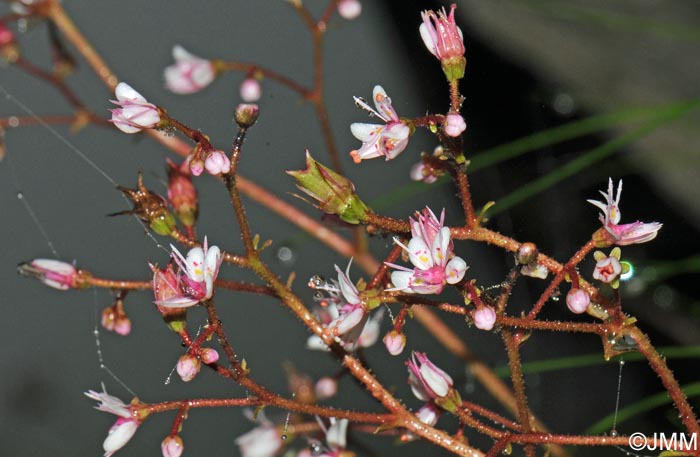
{"x": 316, "y": 281}
{"x": 622, "y": 362}
{"x": 555, "y": 298}
{"x": 285, "y": 255}
{"x": 284, "y": 437}
{"x": 315, "y": 448}
{"x": 613, "y": 433}
{"x": 20, "y": 195}
{"x": 13, "y": 121}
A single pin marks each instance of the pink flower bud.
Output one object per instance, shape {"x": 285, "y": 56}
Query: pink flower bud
{"x": 246, "y": 114}
{"x": 53, "y": 273}
{"x": 326, "y": 388}
{"x": 6, "y": 35}
{"x": 251, "y": 90}
{"x": 349, "y": 9}
{"x": 454, "y": 125}
{"x": 427, "y": 381}
{"x": 577, "y": 300}
{"x": 419, "y": 172}
{"x": 135, "y": 113}
{"x": 172, "y": 446}
{"x": 188, "y": 367}
{"x": 428, "y": 414}
{"x": 395, "y": 342}
{"x": 196, "y": 167}
{"x": 182, "y": 194}
{"x": 209, "y": 355}
{"x": 217, "y": 162}
{"x": 122, "y": 326}
{"x": 484, "y": 318}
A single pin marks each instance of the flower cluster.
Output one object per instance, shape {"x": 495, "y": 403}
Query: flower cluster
{"x": 387, "y": 140}
{"x": 430, "y": 250}
{"x": 622, "y": 234}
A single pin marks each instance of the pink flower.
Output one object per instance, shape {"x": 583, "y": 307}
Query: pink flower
{"x": 395, "y": 342}
{"x": 123, "y": 429}
{"x": 172, "y": 446}
{"x": 194, "y": 281}
{"x": 419, "y": 172}
{"x": 187, "y": 367}
{"x": 577, "y": 300}
{"x": 189, "y": 74}
{"x": 430, "y": 250}
{"x": 485, "y": 318}
{"x": 427, "y": 381}
{"x": 135, "y": 113}
{"x": 52, "y": 273}
{"x": 387, "y": 140}
{"x": 622, "y": 234}
{"x": 217, "y": 163}
{"x": 251, "y": 90}
{"x": 454, "y": 125}
{"x": 441, "y": 35}
{"x": 349, "y": 9}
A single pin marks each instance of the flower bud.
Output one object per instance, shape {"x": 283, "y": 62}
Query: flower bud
{"x": 182, "y": 194}
{"x": 326, "y": 388}
{"x": 7, "y": 36}
{"x": 165, "y": 286}
{"x": 187, "y": 367}
{"x": 217, "y": 163}
{"x": 119, "y": 434}
{"x": 526, "y": 254}
{"x": 53, "y": 273}
{"x": 428, "y": 414}
{"x": 428, "y": 382}
{"x": 246, "y": 114}
{"x": 484, "y": 318}
{"x": 135, "y": 113}
{"x": 334, "y": 193}
{"x": 149, "y": 207}
{"x": 454, "y": 125}
{"x": 172, "y": 446}
{"x": 251, "y": 90}
{"x": 209, "y": 355}
{"x": 349, "y": 9}
{"x": 444, "y": 40}
{"x": 577, "y": 300}
{"x": 115, "y": 319}
{"x": 395, "y": 342}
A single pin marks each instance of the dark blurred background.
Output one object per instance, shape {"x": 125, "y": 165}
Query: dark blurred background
{"x": 531, "y": 66}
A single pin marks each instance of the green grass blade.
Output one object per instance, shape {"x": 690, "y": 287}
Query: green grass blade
{"x": 533, "y": 142}
{"x": 639, "y": 407}
{"x": 593, "y": 156}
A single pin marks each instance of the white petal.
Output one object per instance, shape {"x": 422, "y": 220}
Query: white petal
{"x": 123, "y": 91}
{"x": 315, "y": 343}
{"x": 455, "y": 270}
{"x": 383, "y": 104}
{"x": 347, "y": 288}
{"x": 180, "y": 53}
{"x": 441, "y": 245}
{"x": 437, "y": 383}
{"x": 118, "y": 436}
{"x": 428, "y": 39}
{"x": 366, "y": 132}
{"x": 177, "y": 302}
{"x": 401, "y": 279}
{"x": 195, "y": 264}
{"x": 335, "y": 436}
{"x": 419, "y": 254}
